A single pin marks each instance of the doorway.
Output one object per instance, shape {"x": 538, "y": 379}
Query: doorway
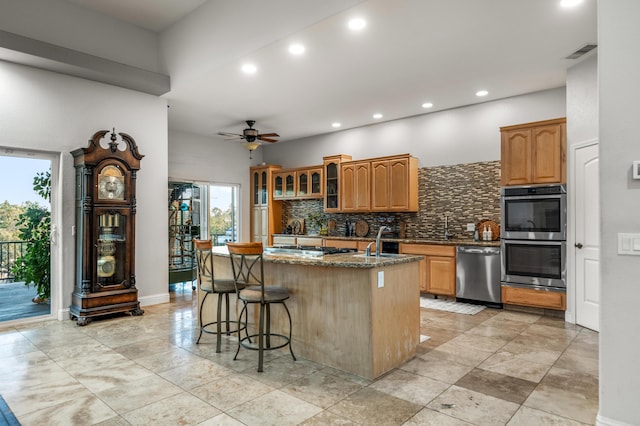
{"x": 25, "y": 235}
{"x": 586, "y": 247}
{"x": 222, "y": 213}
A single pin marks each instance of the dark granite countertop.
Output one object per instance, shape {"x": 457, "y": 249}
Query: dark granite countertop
{"x": 340, "y": 260}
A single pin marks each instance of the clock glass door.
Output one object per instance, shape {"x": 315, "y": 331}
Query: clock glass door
{"x": 111, "y": 265}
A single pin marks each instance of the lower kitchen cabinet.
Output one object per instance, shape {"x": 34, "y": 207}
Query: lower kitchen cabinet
{"x": 292, "y": 240}
{"x": 437, "y": 270}
{"x": 534, "y": 298}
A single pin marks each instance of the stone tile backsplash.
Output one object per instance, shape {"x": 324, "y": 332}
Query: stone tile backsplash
{"x": 465, "y": 193}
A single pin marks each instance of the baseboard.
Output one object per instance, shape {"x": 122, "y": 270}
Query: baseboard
{"x": 604, "y": 421}
{"x": 63, "y": 314}
{"x": 154, "y": 299}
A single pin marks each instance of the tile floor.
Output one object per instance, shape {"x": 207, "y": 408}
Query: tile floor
{"x": 493, "y": 368}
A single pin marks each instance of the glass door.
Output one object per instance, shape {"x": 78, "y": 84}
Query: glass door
{"x": 223, "y": 211}
{"x": 27, "y": 222}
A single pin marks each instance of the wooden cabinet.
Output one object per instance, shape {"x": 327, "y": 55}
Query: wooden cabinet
{"x": 534, "y": 153}
{"x": 284, "y": 184}
{"x": 394, "y": 184}
{"x": 292, "y": 240}
{"x": 310, "y": 241}
{"x": 266, "y": 214}
{"x": 332, "y": 184}
{"x": 309, "y": 183}
{"x": 437, "y": 270}
{"x": 534, "y": 298}
{"x": 355, "y": 186}
{"x": 302, "y": 183}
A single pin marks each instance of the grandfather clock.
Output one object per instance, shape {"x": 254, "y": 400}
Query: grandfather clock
{"x": 105, "y": 227}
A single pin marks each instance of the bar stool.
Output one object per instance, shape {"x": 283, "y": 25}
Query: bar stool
{"x": 248, "y": 271}
{"x": 211, "y": 285}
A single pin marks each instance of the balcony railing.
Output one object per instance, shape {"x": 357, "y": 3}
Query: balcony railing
{"x": 9, "y": 252}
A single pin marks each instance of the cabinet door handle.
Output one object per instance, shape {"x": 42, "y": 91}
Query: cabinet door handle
{"x": 578, "y": 245}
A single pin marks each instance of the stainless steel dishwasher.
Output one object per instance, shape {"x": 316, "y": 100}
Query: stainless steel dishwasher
{"x": 478, "y": 274}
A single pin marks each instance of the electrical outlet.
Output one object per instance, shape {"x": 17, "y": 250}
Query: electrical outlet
{"x": 380, "y": 279}
{"x": 471, "y": 227}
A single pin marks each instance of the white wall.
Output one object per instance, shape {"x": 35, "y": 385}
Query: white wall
{"x": 582, "y": 101}
{"x": 619, "y": 91}
{"x": 196, "y": 158}
{"x": 45, "y": 111}
{"x": 461, "y": 135}
{"x": 64, "y": 24}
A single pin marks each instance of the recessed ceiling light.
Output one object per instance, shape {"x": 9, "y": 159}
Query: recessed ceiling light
{"x": 482, "y": 93}
{"x": 357, "y": 24}
{"x": 570, "y": 3}
{"x": 336, "y": 124}
{"x": 249, "y": 69}
{"x": 296, "y": 49}
{"x": 427, "y": 105}
{"x": 377, "y": 115}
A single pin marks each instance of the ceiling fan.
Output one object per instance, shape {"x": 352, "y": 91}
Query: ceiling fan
{"x": 251, "y": 137}
{"x": 250, "y": 134}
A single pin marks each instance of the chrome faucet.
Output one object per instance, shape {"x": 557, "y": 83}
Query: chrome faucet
{"x": 446, "y": 228}
{"x": 380, "y": 231}
{"x": 367, "y": 251}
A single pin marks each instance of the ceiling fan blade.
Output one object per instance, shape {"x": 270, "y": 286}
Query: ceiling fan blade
{"x": 266, "y": 139}
{"x": 229, "y": 134}
{"x": 269, "y": 135}
{"x": 234, "y": 138}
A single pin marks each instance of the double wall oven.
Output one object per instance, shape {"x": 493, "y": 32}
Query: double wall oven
{"x": 533, "y": 237}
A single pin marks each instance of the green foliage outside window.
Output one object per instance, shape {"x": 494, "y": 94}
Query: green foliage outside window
{"x": 34, "y": 227}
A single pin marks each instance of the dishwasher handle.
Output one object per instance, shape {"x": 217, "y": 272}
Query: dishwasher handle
{"x": 478, "y": 250}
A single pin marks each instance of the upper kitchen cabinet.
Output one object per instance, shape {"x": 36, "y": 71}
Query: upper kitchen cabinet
{"x": 284, "y": 184}
{"x": 332, "y": 182}
{"x": 534, "y": 153}
{"x": 394, "y": 184}
{"x": 355, "y": 186}
{"x": 310, "y": 183}
{"x": 265, "y": 213}
{"x": 302, "y": 183}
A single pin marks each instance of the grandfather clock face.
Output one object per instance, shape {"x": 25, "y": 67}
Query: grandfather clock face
{"x": 111, "y": 183}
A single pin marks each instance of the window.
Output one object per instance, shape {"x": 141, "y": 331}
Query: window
{"x": 223, "y": 213}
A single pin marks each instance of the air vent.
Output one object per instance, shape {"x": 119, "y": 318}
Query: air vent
{"x": 582, "y": 51}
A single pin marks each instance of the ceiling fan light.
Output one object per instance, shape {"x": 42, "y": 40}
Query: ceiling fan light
{"x": 251, "y": 146}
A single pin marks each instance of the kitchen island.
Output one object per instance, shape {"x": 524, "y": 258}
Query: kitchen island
{"x": 351, "y": 312}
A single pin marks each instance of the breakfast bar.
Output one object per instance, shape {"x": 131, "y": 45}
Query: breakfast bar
{"x": 356, "y": 313}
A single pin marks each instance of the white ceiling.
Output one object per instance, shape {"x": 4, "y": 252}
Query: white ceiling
{"x": 410, "y": 52}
